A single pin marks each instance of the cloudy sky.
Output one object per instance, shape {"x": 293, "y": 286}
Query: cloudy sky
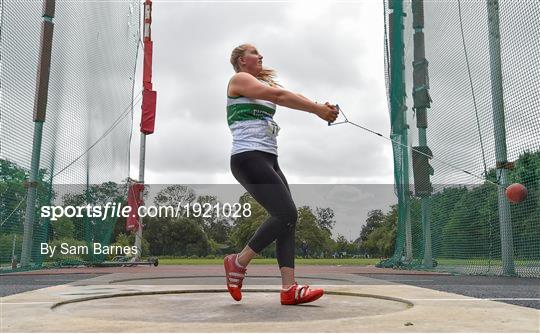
{"x": 326, "y": 50}
{"x": 333, "y": 51}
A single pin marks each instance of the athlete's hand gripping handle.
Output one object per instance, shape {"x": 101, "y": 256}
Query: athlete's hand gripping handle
{"x": 337, "y": 107}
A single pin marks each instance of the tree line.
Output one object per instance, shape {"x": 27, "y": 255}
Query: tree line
{"x": 464, "y": 221}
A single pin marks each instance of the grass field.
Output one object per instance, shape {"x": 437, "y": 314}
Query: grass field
{"x": 326, "y": 262}
{"x": 447, "y": 263}
{"x": 330, "y": 262}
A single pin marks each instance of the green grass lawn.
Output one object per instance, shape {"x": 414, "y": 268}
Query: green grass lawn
{"x": 169, "y": 260}
{"x": 327, "y": 262}
{"x": 342, "y": 262}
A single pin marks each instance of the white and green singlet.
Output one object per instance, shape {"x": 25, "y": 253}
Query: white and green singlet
{"x": 252, "y": 125}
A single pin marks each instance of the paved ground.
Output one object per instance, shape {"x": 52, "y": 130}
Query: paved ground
{"x": 193, "y": 298}
{"x": 13, "y": 284}
{"x": 511, "y": 290}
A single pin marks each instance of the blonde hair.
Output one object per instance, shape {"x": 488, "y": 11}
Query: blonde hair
{"x": 267, "y": 75}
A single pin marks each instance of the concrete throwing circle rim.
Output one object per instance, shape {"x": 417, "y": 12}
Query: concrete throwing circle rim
{"x": 408, "y": 303}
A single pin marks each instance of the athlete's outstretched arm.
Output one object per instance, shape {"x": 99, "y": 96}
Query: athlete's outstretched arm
{"x": 247, "y": 85}
{"x": 303, "y": 97}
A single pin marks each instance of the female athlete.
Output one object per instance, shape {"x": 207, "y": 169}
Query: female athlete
{"x": 252, "y": 96}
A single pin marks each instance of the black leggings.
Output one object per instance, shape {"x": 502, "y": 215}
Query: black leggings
{"x": 259, "y": 173}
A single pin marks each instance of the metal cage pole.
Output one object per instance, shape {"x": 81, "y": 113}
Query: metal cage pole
{"x": 422, "y": 101}
{"x": 399, "y": 119}
{"x": 502, "y": 165}
{"x": 138, "y": 233}
{"x": 40, "y": 108}
{"x": 148, "y": 111}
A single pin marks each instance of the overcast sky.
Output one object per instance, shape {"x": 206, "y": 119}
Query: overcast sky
{"x": 327, "y": 51}
{"x": 333, "y": 51}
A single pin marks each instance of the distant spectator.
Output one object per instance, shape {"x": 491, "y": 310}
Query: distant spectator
{"x": 304, "y": 249}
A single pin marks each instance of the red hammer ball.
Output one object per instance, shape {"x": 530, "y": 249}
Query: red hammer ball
{"x": 516, "y": 192}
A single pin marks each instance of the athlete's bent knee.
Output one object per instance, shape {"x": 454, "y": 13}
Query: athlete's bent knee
{"x": 288, "y": 218}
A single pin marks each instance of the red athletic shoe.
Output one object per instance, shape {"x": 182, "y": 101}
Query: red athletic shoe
{"x": 234, "y": 276}
{"x": 300, "y": 294}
